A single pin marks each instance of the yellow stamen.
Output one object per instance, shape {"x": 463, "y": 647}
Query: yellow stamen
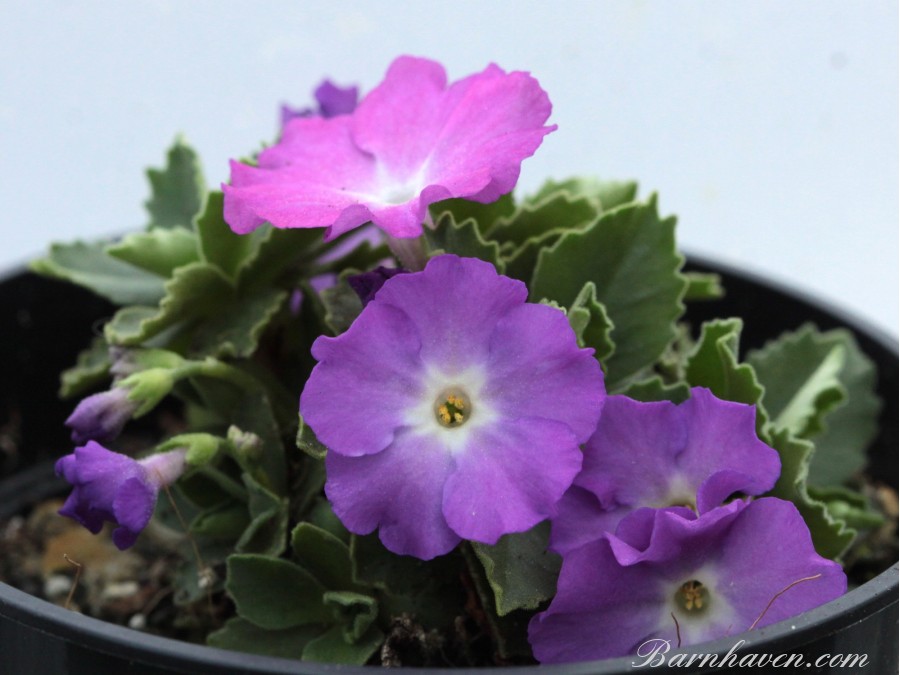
{"x": 452, "y": 408}
{"x": 692, "y": 596}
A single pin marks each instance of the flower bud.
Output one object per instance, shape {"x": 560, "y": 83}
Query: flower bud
{"x": 108, "y": 486}
{"x": 101, "y": 416}
{"x": 148, "y": 387}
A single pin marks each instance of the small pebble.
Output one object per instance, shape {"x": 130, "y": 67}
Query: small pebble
{"x": 13, "y": 526}
{"x": 122, "y": 589}
{"x": 137, "y": 622}
{"x": 57, "y": 586}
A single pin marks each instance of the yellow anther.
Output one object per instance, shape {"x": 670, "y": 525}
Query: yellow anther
{"x": 452, "y": 408}
{"x": 692, "y": 595}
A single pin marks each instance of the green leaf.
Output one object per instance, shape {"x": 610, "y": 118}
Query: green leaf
{"x": 219, "y": 245}
{"x": 521, "y": 571}
{"x": 703, "y": 287}
{"x": 521, "y": 261}
{"x": 89, "y": 265}
{"x": 307, "y": 441}
{"x": 342, "y": 304}
{"x": 159, "y": 250}
{"x": 356, "y": 612}
{"x": 325, "y": 556}
{"x": 591, "y": 324}
{"x": 331, "y": 647}
{"x": 463, "y": 239}
{"x": 225, "y": 522}
{"x": 305, "y": 497}
{"x": 629, "y": 254}
{"x": 830, "y": 535}
{"x": 90, "y": 370}
{"x": 714, "y": 364}
{"x": 237, "y": 327}
{"x": 558, "y": 212}
{"x": 322, "y": 516}
{"x": 223, "y": 322}
{"x": 842, "y": 429}
{"x": 483, "y": 214}
{"x": 242, "y": 636}
{"x": 275, "y": 594}
{"x": 848, "y": 505}
{"x": 267, "y": 532}
{"x": 247, "y": 407}
{"x": 800, "y": 376}
{"x": 195, "y": 290}
{"x": 606, "y": 195}
{"x": 654, "y": 389}
{"x": 427, "y": 590}
{"x": 178, "y": 190}
{"x": 272, "y": 252}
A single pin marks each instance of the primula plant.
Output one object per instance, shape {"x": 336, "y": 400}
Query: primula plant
{"x": 402, "y": 417}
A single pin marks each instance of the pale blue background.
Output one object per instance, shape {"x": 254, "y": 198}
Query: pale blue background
{"x": 770, "y": 128}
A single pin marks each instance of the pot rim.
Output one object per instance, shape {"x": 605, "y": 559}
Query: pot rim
{"x": 788, "y": 636}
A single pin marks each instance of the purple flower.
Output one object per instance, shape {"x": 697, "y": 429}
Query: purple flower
{"x": 366, "y": 285}
{"x": 332, "y": 101}
{"x": 101, "y": 416}
{"x": 108, "y": 486}
{"x": 668, "y": 574}
{"x": 412, "y": 141}
{"x": 695, "y": 454}
{"x": 451, "y": 409}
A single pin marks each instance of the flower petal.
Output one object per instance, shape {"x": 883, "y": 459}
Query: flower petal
{"x": 510, "y": 477}
{"x": 723, "y": 437}
{"x": 132, "y": 508}
{"x": 457, "y": 302}
{"x": 538, "y": 370}
{"x": 601, "y": 609}
{"x": 411, "y": 142}
{"x": 397, "y": 490}
{"x": 768, "y": 549}
{"x": 365, "y": 380}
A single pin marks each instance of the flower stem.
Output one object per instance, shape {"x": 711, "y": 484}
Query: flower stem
{"x": 409, "y": 251}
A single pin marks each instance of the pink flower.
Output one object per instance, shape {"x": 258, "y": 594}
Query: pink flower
{"x": 411, "y": 142}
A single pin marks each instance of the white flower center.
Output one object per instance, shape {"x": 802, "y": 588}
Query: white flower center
{"x": 398, "y": 194}
{"x": 695, "y": 603}
{"x": 451, "y": 407}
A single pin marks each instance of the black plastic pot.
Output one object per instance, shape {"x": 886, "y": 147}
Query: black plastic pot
{"x": 45, "y": 323}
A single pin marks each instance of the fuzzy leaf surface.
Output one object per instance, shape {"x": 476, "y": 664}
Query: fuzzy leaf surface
{"x": 715, "y": 364}
{"x": 654, "y": 389}
{"x": 331, "y": 647}
{"x": 591, "y": 324}
{"x": 462, "y": 238}
{"x": 607, "y": 195}
{"x": 322, "y": 554}
{"x": 560, "y": 212}
{"x": 177, "y": 190}
{"x": 158, "y": 250}
{"x": 483, "y": 214}
{"x": 629, "y": 254}
{"x": 836, "y": 404}
{"x": 90, "y": 266}
{"x": 703, "y": 287}
{"x": 520, "y": 570}
{"x": 831, "y": 536}
{"x": 267, "y": 532}
{"x": 275, "y": 594}
{"x": 89, "y": 371}
{"x": 240, "y": 635}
